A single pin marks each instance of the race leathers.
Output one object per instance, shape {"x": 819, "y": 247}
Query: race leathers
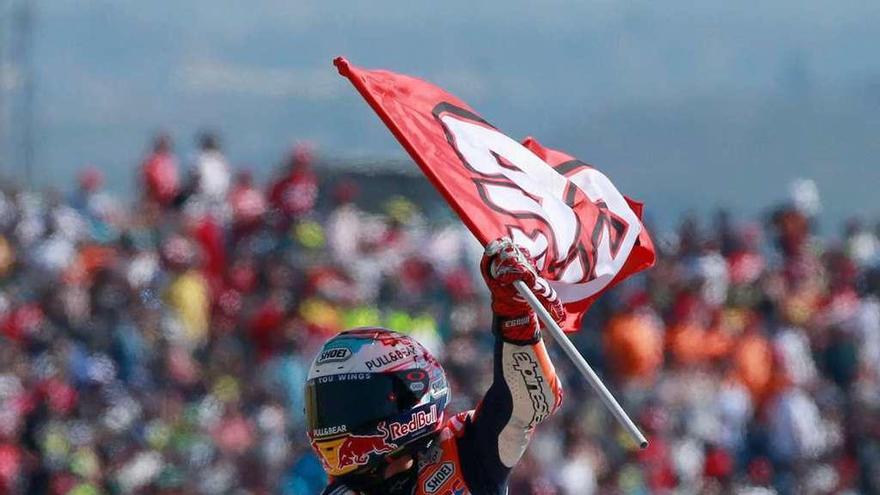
{"x": 475, "y": 451}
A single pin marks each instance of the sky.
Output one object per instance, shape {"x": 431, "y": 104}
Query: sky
{"x": 686, "y": 105}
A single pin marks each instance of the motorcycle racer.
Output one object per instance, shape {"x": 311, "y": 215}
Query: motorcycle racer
{"x": 376, "y": 400}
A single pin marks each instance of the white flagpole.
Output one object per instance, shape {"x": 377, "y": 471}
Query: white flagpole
{"x": 581, "y": 364}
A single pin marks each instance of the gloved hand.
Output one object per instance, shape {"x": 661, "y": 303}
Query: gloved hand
{"x": 504, "y": 263}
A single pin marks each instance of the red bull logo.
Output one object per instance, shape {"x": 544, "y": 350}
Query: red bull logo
{"x": 419, "y": 420}
{"x": 343, "y": 455}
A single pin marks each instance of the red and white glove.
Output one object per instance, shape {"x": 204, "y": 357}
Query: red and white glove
{"x": 504, "y": 263}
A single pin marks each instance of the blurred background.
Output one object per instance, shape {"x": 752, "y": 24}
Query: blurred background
{"x": 192, "y": 200}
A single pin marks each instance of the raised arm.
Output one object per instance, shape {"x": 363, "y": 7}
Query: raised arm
{"x": 525, "y": 390}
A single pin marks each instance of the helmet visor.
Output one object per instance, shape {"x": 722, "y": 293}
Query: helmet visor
{"x": 343, "y": 403}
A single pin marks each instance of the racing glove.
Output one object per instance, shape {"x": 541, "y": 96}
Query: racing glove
{"x": 503, "y": 263}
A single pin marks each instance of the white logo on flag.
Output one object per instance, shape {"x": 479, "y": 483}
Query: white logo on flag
{"x": 537, "y": 190}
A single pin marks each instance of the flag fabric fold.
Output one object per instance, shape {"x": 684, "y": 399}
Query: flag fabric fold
{"x": 583, "y": 233}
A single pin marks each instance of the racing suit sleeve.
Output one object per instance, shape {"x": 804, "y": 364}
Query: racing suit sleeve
{"x": 525, "y": 391}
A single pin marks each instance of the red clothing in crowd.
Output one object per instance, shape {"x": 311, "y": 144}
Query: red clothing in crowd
{"x": 209, "y": 235}
{"x": 248, "y": 205}
{"x": 160, "y": 176}
{"x": 295, "y": 193}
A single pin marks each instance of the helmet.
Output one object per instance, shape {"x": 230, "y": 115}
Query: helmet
{"x": 372, "y": 394}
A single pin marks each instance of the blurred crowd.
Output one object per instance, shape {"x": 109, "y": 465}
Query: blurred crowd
{"x": 159, "y": 343}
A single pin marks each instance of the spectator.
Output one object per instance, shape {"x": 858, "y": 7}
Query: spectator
{"x": 159, "y": 171}
{"x": 634, "y": 344}
{"x": 209, "y": 181}
{"x": 753, "y": 364}
{"x": 187, "y": 293}
{"x": 211, "y": 169}
{"x": 247, "y": 203}
{"x": 295, "y": 191}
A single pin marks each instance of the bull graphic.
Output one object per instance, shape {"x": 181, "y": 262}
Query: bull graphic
{"x": 355, "y": 450}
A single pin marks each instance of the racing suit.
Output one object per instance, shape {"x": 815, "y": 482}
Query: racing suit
{"x": 475, "y": 451}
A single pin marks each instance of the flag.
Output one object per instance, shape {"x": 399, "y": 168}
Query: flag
{"x": 584, "y": 235}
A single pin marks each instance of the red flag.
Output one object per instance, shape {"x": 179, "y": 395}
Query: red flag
{"x": 584, "y": 235}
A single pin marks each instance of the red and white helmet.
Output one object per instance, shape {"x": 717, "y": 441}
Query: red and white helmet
{"x": 370, "y": 394}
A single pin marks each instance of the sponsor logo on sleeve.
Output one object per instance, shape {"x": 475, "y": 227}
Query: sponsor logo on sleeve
{"x": 517, "y": 322}
{"x": 527, "y": 367}
{"x": 334, "y": 354}
{"x": 442, "y": 475}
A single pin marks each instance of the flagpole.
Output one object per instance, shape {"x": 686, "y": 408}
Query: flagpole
{"x": 581, "y": 364}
